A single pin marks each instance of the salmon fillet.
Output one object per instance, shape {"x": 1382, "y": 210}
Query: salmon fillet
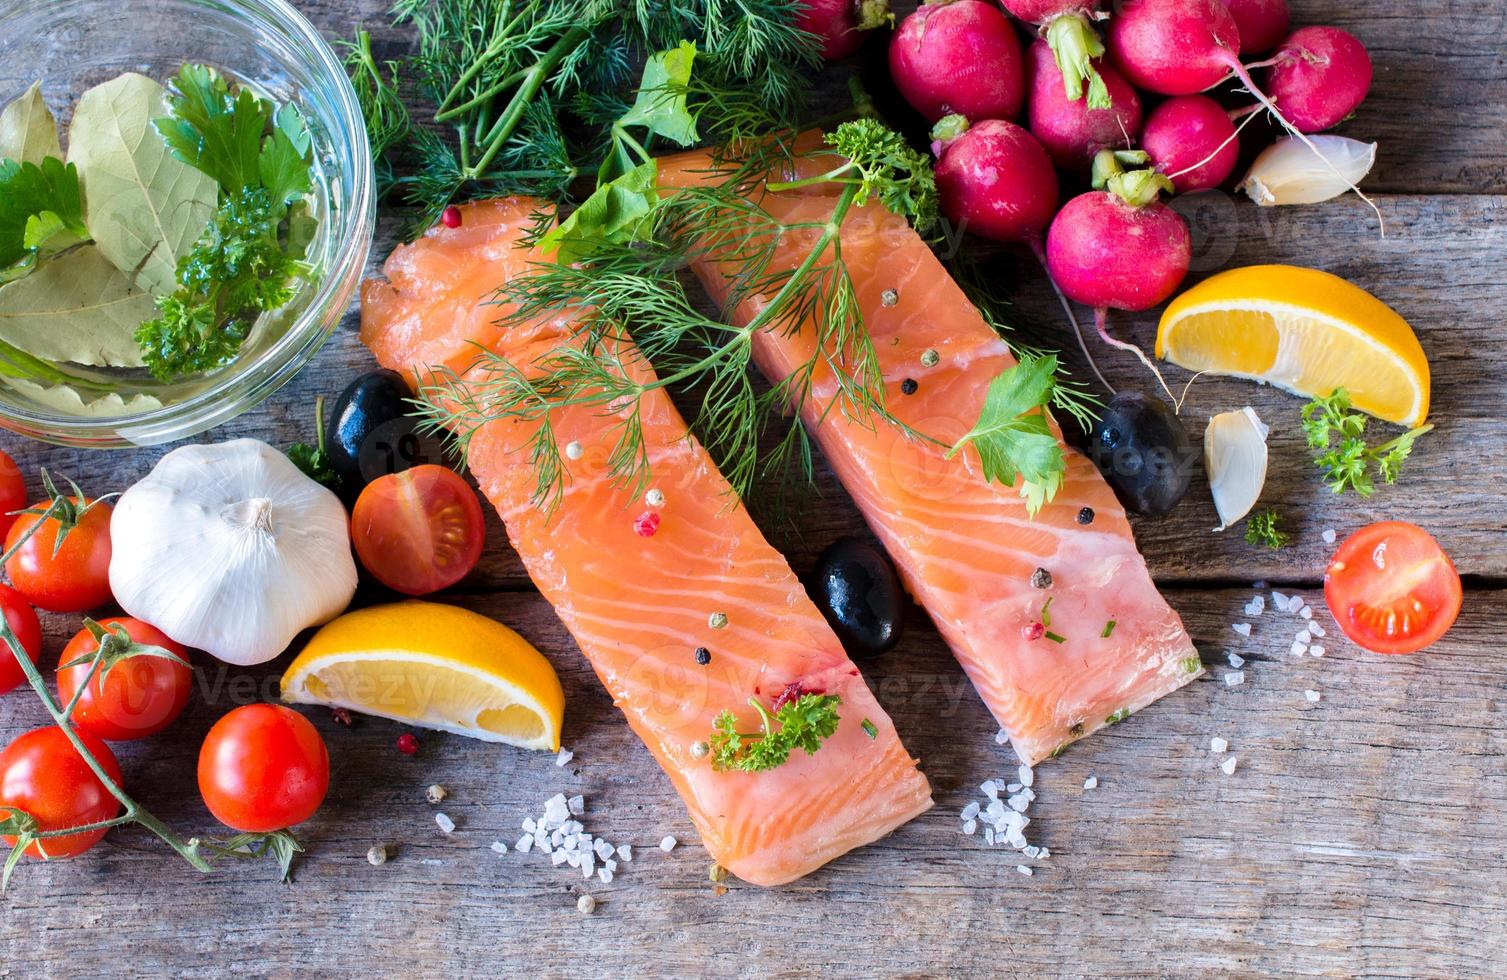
{"x": 967, "y": 549}
{"x": 639, "y": 607}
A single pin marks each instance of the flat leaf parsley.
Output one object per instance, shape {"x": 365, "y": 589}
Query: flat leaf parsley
{"x": 36, "y": 203}
{"x": 1330, "y": 425}
{"x": 1013, "y": 435}
{"x": 804, "y": 723}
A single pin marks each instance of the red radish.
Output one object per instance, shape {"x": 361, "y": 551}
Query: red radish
{"x": 994, "y": 179}
{"x": 1318, "y": 77}
{"x": 1070, "y": 130}
{"x": 841, "y": 23}
{"x": 1190, "y": 139}
{"x": 958, "y": 57}
{"x": 1181, "y": 47}
{"x": 1069, "y": 32}
{"x": 1121, "y": 247}
{"x": 1263, "y": 23}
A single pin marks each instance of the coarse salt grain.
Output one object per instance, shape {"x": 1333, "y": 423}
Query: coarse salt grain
{"x": 498, "y": 847}
{"x": 524, "y": 845}
{"x": 558, "y": 858}
{"x": 1316, "y": 650}
{"x": 1280, "y": 601}
{"x": 1244, "y": 629}
{"x": 625, "y": 852}
{"x": 1217, "y": 744}
{"x": 1298, "y": 648}
{"x": 970, "y": 827}
{"x": 1306, "y": 612}
{"x": 1237, "y": 661}
{"x": 1023, "y": 869}
{"x": 990, "y": 789}
{"x": 564, "y": 756}
{"x": 1235, "y": 678}
{"x": 1316, "y": 629}
{"x": 1001, "y": 737}
{"x": 668, "y": 844}
{"x": 1091, "y": 782}
{"x": 577, "y": 804}
{"x": 1312, "y": 695}
{"x": 605, "y": 874}
{"x": 1031, "y": 851}
{"x": 445, "y": 823}
{"x": 970, "y": 811}
{"x": 1329, "y": 535}
{"x": 1027, "y": 777}
{"x": 1228, "y": 765}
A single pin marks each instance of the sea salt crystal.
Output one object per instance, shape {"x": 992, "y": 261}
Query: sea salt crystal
{"x": 990, "y": 788}
{"x": 558, "y": 858}
{"x": 1001, "y": 737}
{"x": 573, "y": 858}
{"x": 1298, "y": 648}
{"x": 528, "y": 825}
{"x": 1306, "y": 612}
{"x": 1251, "y": 609}
{"x": 1280, "y": 601}
{"x": 1296, "y": 605}
{"x": 989, "y": 836}
{"x": 1237, "y": 661}
{"x": 498, "y": 847}
{"x": 1316, "y": 629}
{"x": 524, "y": 845}
{"x": 446, "y": 824}
{"x": 577, "y": 804}
{"x": 1031, "y": 851}
{"x": 556, "y": 811}
{"x": 970, "y": 811}
{"x": 1244, "y": 629}
{"x": 1091, "y": 782}
{"x": 970, "y": 827}
{"x": 565, "y": 756}
{"x": 1304, "y": 637}
{"x": 995, "y": 811}
{"x": 1045, "y": 853}
{"x": 1316, "y": 650}
{"x": 625, "y": 852}
{"x": 1217, "y": 744}
{"x": 612, "y": 865}
{"x": 1228, "y": 765}
{"x": 1329, "y": 535}
{"x": 604, "y": 850}
{"x": 1312, "y": 695}
{"x": 1014, "y": 788}
{"x": 1234, "y": 679}
{"x": 1027, "y": 777}
{"x": 668, "y": 844}
{"x": 605, "y": 875}
{"x": 1019, "y": 804}
{"x": 1023, "y": 869}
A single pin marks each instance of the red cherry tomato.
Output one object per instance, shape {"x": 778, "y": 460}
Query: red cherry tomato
{"x": 1392, "y": 588}
{"x": 77, "y": 577}
{"x": 28, "y": 629}
{"x": 418, "y": 531}
{"x": 140, "y": 696}
{"x": 12, "y": 492}
{"x": 42, "y": 774}
{"x": 263, "y": 767}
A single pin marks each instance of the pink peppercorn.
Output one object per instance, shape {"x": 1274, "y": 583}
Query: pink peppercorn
{"x": 408, "y": 743}
{"x": 1033, "y": 631}
{"x": 646, "y": 524}
{"x": 450, "y": 217}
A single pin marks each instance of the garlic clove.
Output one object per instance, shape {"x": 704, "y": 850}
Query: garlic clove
{"x": 1235, "y": 460}
{"x": 1288, "y": 172}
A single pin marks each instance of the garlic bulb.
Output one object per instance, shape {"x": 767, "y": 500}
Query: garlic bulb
{"x": 1287, "y": 172}
{"x": 1235, "y": 459}
{"x": 231, "y": 549}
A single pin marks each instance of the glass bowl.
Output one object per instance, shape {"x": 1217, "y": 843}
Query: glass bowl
{"x": 72, "y": 45}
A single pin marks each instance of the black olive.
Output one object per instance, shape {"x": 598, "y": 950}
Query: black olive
{"x": 372, "y": 434}
{"x": 1141, "y": 447}
{"x": 859, "y": 593}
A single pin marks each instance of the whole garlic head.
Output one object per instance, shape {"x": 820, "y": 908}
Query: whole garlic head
{"x": 229, "y": 548}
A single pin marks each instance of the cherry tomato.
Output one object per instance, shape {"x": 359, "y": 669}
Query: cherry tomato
{"x": 1392, "y": 588}
{"x": 12, "y": 492}
{"x": 140, "y": 696}
{"x": 418, "y": 531}
{"x": 43, "y": 774}
{"x": 77, "y": 577}
{"x": 263, "y": 767}
{"x": 28, "y": 629}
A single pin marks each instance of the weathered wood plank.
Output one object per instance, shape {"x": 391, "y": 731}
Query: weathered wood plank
{"x": 1360, "y": 834}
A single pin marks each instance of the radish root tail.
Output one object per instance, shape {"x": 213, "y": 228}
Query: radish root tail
{"x": 1072, "y": 317}
{"x": 1101, "y": 321}
{"x": 1217, "y": 150}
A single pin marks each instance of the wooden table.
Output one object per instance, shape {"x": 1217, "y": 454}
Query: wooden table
{"x": 1363, "y": 833}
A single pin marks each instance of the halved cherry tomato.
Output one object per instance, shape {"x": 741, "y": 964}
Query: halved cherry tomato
{"x": 28, "y": 629}
{"x": 70, "y": 578}
{"x": 418, "y": 531}
{"x": 12, "y": 492}
{"x": 42, "y": 774}
{"x": 1392, "y": 588}
{"x": 263, "y": 767}
{"x": 140, "y": 696}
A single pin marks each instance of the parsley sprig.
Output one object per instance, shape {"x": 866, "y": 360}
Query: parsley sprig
{"x": 1013, "y": 435}
{"x": 1262, "y": 528}
{"x": 804, "y": 723}
{"x": 878, "y": 161}
{"x": 1346, "y": 459}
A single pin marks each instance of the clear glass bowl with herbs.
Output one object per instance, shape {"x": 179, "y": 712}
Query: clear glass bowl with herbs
{"x": 186, "y": 207}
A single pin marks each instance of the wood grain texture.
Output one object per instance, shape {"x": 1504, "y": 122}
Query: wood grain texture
{"x": 1360, "y": 835}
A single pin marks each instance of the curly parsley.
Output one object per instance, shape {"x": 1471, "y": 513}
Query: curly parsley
{"x": 804, "y": 723}
{"x": 1346, "y": 459}
{"x": 1262, "y": 528}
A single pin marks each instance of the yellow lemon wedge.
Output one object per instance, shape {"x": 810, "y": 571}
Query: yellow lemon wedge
{"x": 1302, "y": 330}
{"x": 434, "y": 666}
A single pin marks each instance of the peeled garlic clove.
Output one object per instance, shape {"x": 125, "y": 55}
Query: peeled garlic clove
{"x": 1288, "y": 172}
{"x": 1235, "y": 459}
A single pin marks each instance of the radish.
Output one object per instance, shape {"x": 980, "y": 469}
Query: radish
{"x": 1069, "y": 32}
{"x": 1070, "y": 129}
{"x": 994, "y": 179}
{"x": 1262, "y": 23}
{"x": 841, "y": 23}
{"x": 1318, "y": 77}
{"x": 1190, "y": 139}
{"x": 958, "y": 57}
{"x": 1119, "y": 247}
{"x": 1181, "y": 47}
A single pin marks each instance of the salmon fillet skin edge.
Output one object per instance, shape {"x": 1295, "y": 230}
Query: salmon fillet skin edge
{"x": 967, "y": 549}
{"x": 640, "y": 606}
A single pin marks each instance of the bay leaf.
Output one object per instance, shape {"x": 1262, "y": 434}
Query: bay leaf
{"x": 76, "y": 307}
{"x": 27, "y": 130}
{"x": 143, "y": 206}
{"x": 67, "y": 401}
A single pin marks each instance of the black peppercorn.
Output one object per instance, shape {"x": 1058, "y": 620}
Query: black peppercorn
{"x": 1086, "y": 515}
{"x": 908, "y": 386}
{"x": 1041, "y": 579}
{"x": 703, "y": 656}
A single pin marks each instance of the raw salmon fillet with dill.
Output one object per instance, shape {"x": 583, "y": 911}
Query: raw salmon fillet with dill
{"x": 1054, "y": 617}
{"x": 682, "y": 623}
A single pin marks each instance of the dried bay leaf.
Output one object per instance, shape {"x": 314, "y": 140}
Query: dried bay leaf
{"x": 67, "y": 401}
{"x": 76, "y": 307}
{"x": 144, "y": 207}
{"x": 27, "y": 130}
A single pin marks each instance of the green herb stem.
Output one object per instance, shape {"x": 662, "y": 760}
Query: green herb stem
{"x": 534, "y": 79}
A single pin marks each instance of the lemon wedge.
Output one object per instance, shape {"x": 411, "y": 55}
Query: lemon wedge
{"x": 434, "y": 666}
{"x": 1302, "y": 330}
